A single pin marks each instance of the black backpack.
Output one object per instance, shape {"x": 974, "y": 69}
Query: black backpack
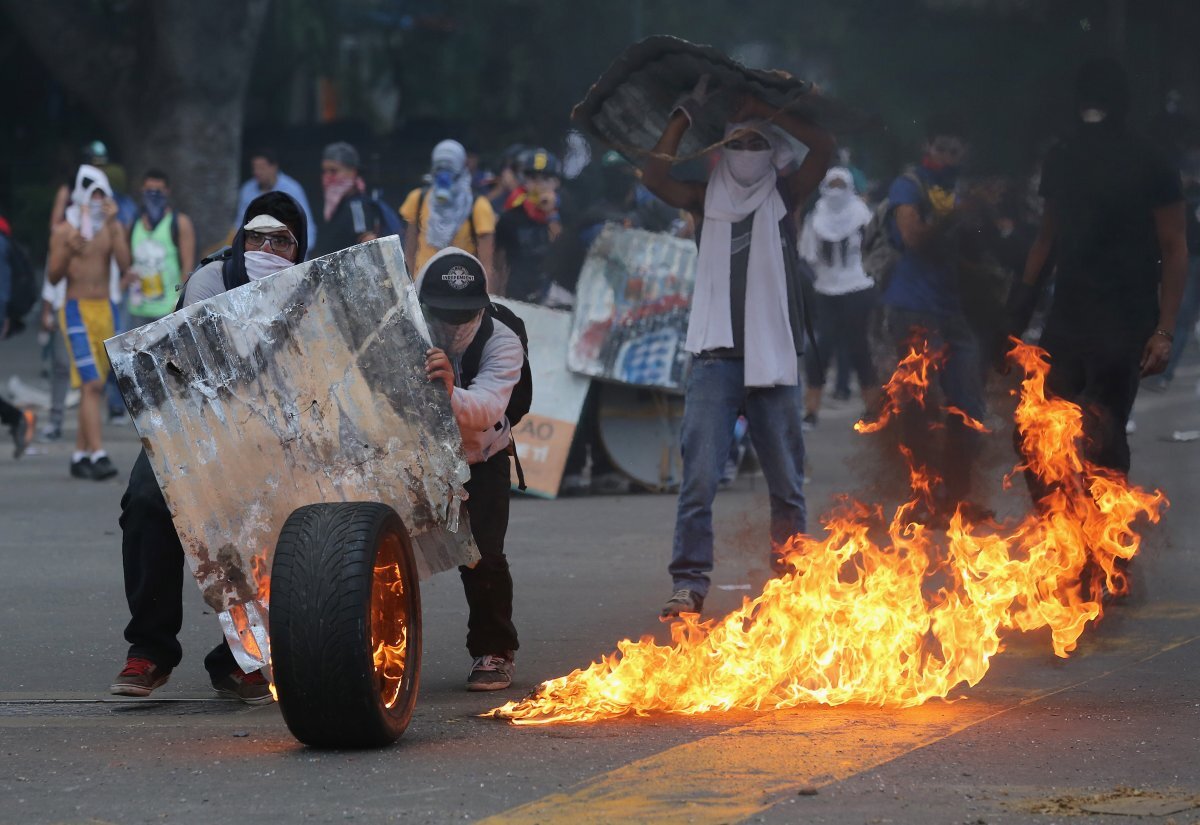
{"x": 522, "y": 394}
{"x": 26, "y": 286}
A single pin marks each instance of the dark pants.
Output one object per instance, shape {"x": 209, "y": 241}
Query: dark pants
{"x": 587, "y": 439}
{"x": 10, "y": 416}
{"x": 961, "y": 382}
{"x": 153, "y": 562}
{"x": 842, "y": 323}
{"x": 488, "y": 584}
{"x": 1100, "y": 373}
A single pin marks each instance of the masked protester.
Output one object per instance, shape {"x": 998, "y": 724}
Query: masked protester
{"x": 1114, "y": 220}
{"x": 923, "y": 300}
{"x": 88, "y": 251}
{"x": 831, "y": 242}
{"x": 747, "y": 325}
{"x": 452, "y": 288}
{"x": 348, "y": 216}
{"x": 163, "y": 244}
{"x": 273, "y": 237}
{"x": 528, "y": 229}
{"x": 448, "y": 213}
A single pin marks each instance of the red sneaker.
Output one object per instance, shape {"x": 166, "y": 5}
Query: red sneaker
{"x": 251, "y": 688}
{"x": 140, "y": 677}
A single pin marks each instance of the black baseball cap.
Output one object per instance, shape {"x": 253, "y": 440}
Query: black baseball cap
{"x": 453, "y": 279}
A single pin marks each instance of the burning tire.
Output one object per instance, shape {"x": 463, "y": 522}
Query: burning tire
{"x": 345, "y": 625}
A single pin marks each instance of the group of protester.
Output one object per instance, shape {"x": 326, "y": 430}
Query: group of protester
{"x": 793, "y": 265}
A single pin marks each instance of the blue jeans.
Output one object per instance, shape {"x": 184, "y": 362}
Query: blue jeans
{"x": 716, "y": 391}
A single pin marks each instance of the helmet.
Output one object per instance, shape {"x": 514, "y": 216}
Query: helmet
{"x": 95, "y": 153}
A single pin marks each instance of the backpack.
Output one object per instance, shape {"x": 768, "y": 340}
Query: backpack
{"x": 26, "y": 286}
{"x": 879, "y": 253}
{"x": 522, "y": 394}
{"x": 389, "y": 218}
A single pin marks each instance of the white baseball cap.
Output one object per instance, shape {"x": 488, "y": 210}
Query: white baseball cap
{"x": 265, "y": 224}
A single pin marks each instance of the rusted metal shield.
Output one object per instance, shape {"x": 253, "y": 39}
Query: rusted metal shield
{"x": 307, "y": 386}
{"x": 628, "y": 107}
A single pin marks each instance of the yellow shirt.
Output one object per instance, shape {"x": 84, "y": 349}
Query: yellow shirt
{"x": 482, "y": 216}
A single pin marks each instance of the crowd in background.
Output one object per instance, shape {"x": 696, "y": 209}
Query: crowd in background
{"x": 530, "y": 213}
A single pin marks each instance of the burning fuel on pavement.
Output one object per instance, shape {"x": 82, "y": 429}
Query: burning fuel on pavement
{"x": 898, "y": 622}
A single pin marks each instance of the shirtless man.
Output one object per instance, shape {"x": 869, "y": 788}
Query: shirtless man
{"x": 82, "y": 249}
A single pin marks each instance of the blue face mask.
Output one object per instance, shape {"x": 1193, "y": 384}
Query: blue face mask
{"x": 443, "y": 182}
{"x": 154, "y": 204}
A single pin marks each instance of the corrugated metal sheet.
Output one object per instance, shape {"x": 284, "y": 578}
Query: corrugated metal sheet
{"x": 628, "y": 107}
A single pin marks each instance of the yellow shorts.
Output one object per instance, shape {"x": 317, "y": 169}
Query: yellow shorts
{"x": 86, "y": 324}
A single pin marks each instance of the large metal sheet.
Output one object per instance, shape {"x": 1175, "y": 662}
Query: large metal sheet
{"x": 628, "y": 107}
{"x": 544, "y": 435}
{"x": 308, "y": 386}
{"x": 631, "y": 309}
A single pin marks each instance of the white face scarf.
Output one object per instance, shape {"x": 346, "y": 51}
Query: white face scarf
{"x": 82, "y": 213}
{"x": 741, "y": 186}
{"x": 260, "y": 264}
{"x": 839, "y": 212}
{"x": 748, "y": 166}
{"x": 453, "y": 339}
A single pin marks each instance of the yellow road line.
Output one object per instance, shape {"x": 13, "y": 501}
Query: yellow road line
{"x": 739, "y": 772}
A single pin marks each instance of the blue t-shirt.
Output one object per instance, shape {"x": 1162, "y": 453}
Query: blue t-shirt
{"x": 918, "y": 283}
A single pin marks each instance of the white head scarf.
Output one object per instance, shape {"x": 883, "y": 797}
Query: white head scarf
{"x": 839, "y": 212}
{"x": 744, "y": 183}
{"x": 88, "y": 181}
{"x": 449, "y": 207}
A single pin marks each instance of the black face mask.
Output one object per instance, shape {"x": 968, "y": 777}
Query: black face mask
{"x": 452, "y": 316}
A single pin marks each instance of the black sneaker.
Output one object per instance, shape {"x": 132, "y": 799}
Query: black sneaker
{"x": 809, "y": 421}
{"x": 682, "y": 601}
{"x": 492, "y": 672}
{"x": 82, "y": 468}
{"x": 251, "y": 688}
{"x": 103, "y": 468}
{"x": 140, "y": 677}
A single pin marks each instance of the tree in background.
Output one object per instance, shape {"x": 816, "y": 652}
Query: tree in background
{"x": 166, "y": 78}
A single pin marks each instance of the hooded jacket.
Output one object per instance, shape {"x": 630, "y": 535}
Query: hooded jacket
{"x": 227, "y": 269}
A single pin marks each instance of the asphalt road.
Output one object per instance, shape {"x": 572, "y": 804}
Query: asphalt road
{"x": 1115, "y": 728}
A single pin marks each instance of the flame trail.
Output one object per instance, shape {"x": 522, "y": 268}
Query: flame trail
{"x": 892, "y": 624}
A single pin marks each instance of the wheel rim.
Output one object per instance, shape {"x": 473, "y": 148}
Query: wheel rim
{"x": 390, "y": 621}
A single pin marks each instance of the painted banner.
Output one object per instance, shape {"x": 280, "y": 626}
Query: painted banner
{"x": 631, "y": 309}
{"x": 544, "y": 435}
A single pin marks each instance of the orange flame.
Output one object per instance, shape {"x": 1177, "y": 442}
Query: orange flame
{"x": 260, "y": 568}
{"x": 389, "y": 629}
{"x": 894, "y": 624}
